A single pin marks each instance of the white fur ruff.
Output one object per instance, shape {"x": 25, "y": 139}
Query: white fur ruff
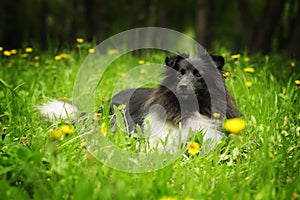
{"x": 54, "y": 110}
{"x": 165, "y": 136}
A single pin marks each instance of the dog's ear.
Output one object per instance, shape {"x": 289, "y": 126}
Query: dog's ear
{"x": 218, "y": 60}
{"x": 171, "y": 61}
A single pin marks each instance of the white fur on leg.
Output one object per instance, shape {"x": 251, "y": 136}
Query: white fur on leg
{"x": 54, "y": 110}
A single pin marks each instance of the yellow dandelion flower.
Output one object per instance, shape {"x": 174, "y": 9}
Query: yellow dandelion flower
{"x": 55, "y": 134}
{"x": 83, "y": 144}
{"x": 65, "y": 98}
{"x": 24, "y": 55}
{"x": 226, "y": 74}
{"x": 13, "y": 51}
{"x": 66, "y": 129}
{"x": 175, "y": 166}
{"x": 249, "y": 84}
{"x": 234, "y": 125}
{"x": 36, "y": 58}
{"x": 28, "y": 50}
{"x": 293, "y": 64}
{"x": 216, "y": 115}
{"x": 64, "y": 56}
{"x": 143, "y": 71}
{"x": 141, "y": 62}
{"x": 272, "y": 156}
{"x": 58, "y": 57}
{"x": 224, "y": 55}
{"x": 103, "y": 129}
{"x": 6, "y": 53}
{"x": 122, "y": 74}
{"x": 79, "y": 40}
{"x": 297, "y": 82}
{"x": 36, "y": 64}
{"x": 112, "y": 51}
{"x": 249, "y": 69}
{"x": 193, "y": 148}
{"x": 91, "y": 50}
{"x": 236, "y": 56}
{"x": 168, "y": 198}
{"x": 1, "y": 48}
{"x": 121, "y": 106}
{"x": 295, "y": 196}
{"x": 246, "y": 59}
{"x": 189, "y": 198}
{"x": 283, "y": 90}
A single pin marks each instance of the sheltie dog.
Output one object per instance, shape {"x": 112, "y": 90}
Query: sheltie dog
{"x": 181, "y": 103}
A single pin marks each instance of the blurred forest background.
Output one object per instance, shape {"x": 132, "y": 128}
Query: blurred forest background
{"x": 254, "y": 25}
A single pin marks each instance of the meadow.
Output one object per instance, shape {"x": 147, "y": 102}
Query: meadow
{"x": 39, "y": 160}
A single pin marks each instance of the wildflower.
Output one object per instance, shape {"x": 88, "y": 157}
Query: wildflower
{"x": 236, "y": 56}
{"x": 216, "y": 115}
{"x": 79, "y": 40}
{"x": 224, "y": 55}
{"x": 283, "y": 89}
{"x": 249, "y": 84}
{"x": 249, "y": 69}
{"x": 1, "y": 48}
{"x": 272, "y": 156}
{"x": 13, "y": 51}
{"x": 168, "y": 198}
{"x": 143, "y": 71}
{"x": 28, "y": 50}
{"x": 55, "y": 134}
{"x": 64, "y": 55}
{"x": 36, "y": 58}
{"x": 122, "y": 74}
{"x": 6, "y": 53}
{"x": 194, "y": 148}
{"x": 175, "y": 166}
{"x": 226, "y": 74}
{"x": 66, "y": 129}
{"x": 58, "y": 57}
{"x": 189, "y": 198}
{"x": 65, "y": 98}
{"x": 121, "y": 106}
{"x": 297, "y": 82}
{"x": 234, "y": 125}
{"x": 141, "y": 62}
{"x": 83, "y": 144}
{"x": 24, "y": 55}
{"x": 246, "y": 59}
{"x": 103, "y": 129}
{"x": 292, "y": 64}
{"x": 295, "y": 196}
{"x": 91, "y": 50}
{"x": 112, "y": 51}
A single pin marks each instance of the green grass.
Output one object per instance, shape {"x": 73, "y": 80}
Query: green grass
{"x": 260, "y": 163}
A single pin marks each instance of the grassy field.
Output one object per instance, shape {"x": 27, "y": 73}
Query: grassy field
{"x": 40, "y": 161}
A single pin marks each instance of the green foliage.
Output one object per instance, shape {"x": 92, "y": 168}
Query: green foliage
{"x": 260, "y": 163}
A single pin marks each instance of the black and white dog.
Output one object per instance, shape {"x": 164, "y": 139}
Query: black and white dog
{"x": 181, "y": 103}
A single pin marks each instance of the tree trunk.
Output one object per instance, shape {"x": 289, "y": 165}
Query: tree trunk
{"x": 246, "y": 26}
{"x": 43, "y": 24}
{"x": 262, "y": 38}
{"x": 201, "y": 22}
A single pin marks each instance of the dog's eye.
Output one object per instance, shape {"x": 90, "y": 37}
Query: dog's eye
{"x": 197, "y": 74}
{"x": 182, "y": 71}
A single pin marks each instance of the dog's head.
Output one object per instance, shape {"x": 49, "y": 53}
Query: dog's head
{"x": 187, "y": 74}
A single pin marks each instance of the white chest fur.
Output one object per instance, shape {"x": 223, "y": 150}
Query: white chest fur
{"x": 164, "y": 135}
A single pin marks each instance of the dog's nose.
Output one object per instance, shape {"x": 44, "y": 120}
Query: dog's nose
{"x": 183, "y": 87}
